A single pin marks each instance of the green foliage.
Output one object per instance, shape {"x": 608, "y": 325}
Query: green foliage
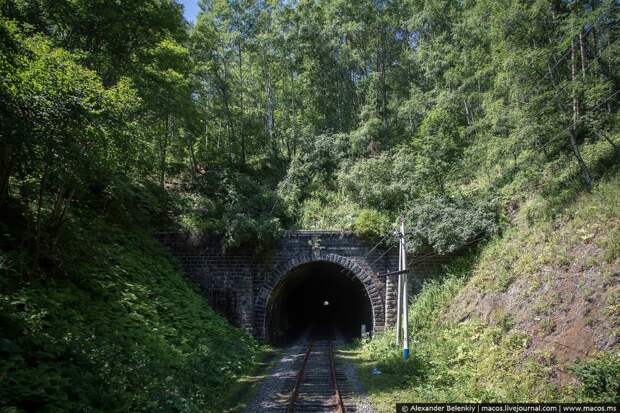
{"x": 274, "y": 115}
{"x": 336, "y": 212}
{"x": 384, "y": 104}
{"x": 599, "y": 377}
{"x": 390, "y": 107}
{"x": 311, "y": 172}
{"x": 112, "y": 36}
{"x": 449, "y": 224}
{"x": 553, "y": 238}
{"x": 371, "y": 223}
{"x": 329, "y": 211}
{"x": 248, "y": 213}
{"x": 437, "y": 293}
{"x": 122, "y": 331}
{"x": 438, "y": 144}
{"x": 370, "y": 183}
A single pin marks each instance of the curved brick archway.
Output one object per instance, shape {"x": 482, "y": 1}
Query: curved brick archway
{"x": 362, "y": 272}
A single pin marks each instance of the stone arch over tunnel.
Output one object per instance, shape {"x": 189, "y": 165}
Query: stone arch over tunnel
{"x": 294, "y": 295}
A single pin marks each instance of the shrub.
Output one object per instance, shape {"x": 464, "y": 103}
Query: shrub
{"x": 599, "y": 377}
{"x": 371, "y": 223}
{"x": 450, "y": 223}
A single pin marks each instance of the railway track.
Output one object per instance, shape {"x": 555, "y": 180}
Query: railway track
{"x": 318, "y": 386}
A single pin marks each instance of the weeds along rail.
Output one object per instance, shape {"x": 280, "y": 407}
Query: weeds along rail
{"x": 316, "y": 385}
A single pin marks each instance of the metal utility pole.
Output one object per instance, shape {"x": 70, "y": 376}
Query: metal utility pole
{"x": 402, "y": 296}
{"x": 399, "y": 290}
{"x": 405, "y": 298}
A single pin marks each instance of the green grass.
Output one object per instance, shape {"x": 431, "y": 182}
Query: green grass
{"x": 246, "y": 385}
{"x": 117, "y": 329}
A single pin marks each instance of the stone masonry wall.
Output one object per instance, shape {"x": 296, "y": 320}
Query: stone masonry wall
{"x": 238, "y": 283}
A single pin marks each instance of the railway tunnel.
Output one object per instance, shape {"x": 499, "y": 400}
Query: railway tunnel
{"x": 318, "y": 299}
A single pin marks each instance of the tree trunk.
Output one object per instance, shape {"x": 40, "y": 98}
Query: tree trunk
{"x": 241, "y": 103}
{"x": 269, "y": 118}
{"x": 576, "y": 119}
{"x": 608, "y": 139}
{"x": 37, "y": 236}
{"x": 60, "y": 214}
{"x": 384, "y": 96}
{"x": 163, "y": 148}
{"x": 192, "y": 158}
{"x": 550, "y": 74}
{"x": 7, "y": 161}
{"x": 291, "y": 146}
{"x": 582, "y": 49}
{"x": 230, "y": 126}
{"x": 467, "y": 114}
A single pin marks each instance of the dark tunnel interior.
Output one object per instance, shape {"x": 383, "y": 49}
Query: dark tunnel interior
{"x": 319, "y": 299}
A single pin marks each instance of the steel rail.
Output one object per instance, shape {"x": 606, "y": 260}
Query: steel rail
{"x": 300, "y": 376}
{"x": 332, "y": 363}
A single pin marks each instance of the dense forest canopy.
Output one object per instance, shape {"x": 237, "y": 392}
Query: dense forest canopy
{"x": 268, "y": 115}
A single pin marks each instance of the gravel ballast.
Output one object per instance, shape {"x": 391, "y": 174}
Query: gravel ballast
{"x": 273, "y": 392}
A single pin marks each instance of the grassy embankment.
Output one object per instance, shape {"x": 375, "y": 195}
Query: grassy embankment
{"x": 510, "y": 321}
{"x": 114, "y": 327}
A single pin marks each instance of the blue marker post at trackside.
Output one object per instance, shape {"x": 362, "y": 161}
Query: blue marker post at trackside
{"x": 405, "y": 298}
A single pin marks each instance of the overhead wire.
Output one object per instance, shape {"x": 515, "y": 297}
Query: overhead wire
{"x": 382, "y": 255}
{"x": 377, "y": 244}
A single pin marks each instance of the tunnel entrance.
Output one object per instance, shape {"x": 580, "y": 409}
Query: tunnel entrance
{"x": 320, "y": 299}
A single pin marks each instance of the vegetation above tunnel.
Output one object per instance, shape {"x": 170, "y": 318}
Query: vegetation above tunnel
{"x": 311, "y": 114}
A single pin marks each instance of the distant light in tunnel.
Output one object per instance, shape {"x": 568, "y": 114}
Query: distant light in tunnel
{"x": 325, "y": 303}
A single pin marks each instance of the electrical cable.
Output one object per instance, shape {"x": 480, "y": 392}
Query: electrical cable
{"x": 382, "y": 255}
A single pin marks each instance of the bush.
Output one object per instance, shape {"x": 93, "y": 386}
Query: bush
{"x": 371, "y": 223}
{"x": 599, "y": 377}
{"x": 371, "y": 183}
{"x": 450, "y": 223}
